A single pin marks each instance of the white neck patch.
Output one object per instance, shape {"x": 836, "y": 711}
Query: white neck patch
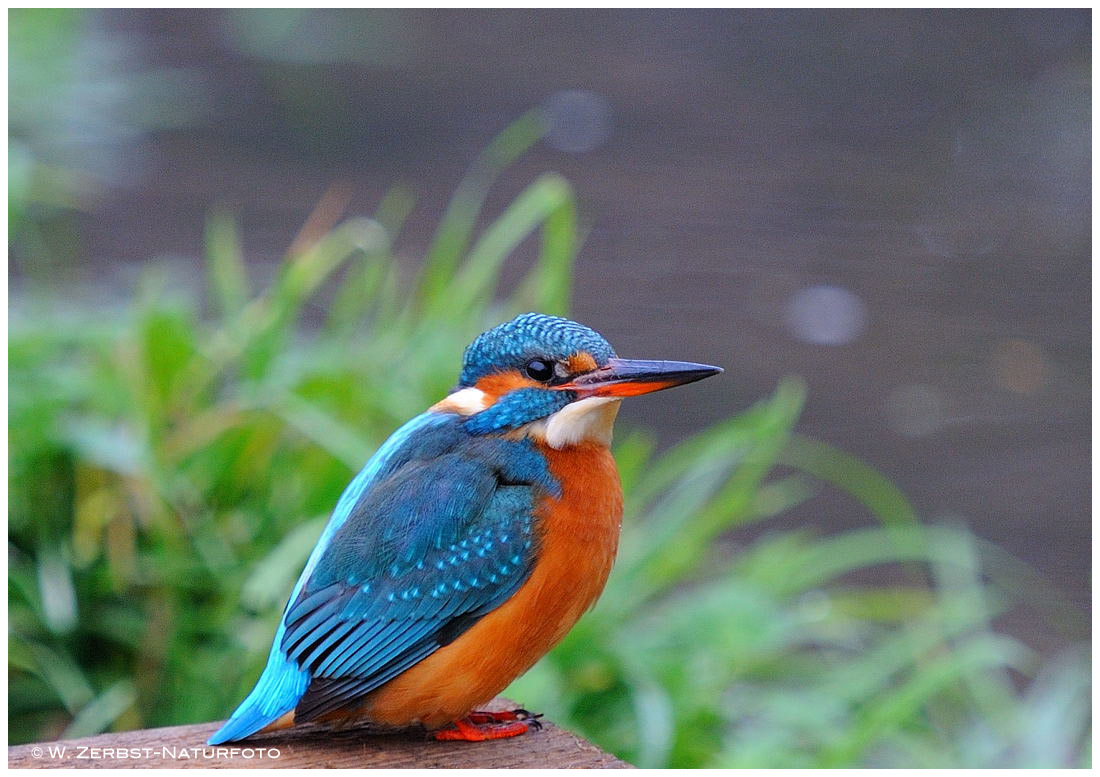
{"x": 465, "y": 401}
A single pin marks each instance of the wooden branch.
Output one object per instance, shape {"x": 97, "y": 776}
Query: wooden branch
{"x": 312, "y": 746}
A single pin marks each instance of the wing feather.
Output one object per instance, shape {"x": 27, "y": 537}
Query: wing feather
{"x": 424, "y": 553}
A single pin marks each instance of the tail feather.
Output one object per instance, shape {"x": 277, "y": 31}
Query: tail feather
{"x": 276, "y": 693}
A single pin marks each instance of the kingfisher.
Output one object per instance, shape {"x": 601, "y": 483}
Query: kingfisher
{"x": 466, "y": 548}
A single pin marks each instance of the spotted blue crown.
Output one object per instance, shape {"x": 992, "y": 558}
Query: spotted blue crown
{"x": 530, "y": 336}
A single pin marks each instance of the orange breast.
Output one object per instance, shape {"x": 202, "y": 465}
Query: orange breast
{"x": 579, "y": 535}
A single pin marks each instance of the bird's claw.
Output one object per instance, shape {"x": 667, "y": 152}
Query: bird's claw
{"x": 530, "y": 718}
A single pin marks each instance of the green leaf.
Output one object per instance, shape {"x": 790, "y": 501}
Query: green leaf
{"x": 276, "y": 312}
{"x": 895, "y": 707}
{"x": 885, "y": 500}
{"x": 459, "y": 219}
{"x": 548, "y": 286}
{"x": 225, "y": 264}
{"x": 98, "y": 715}
{"x": 547, "y": 201}
{"x": 57, "y": 594}
{"x": 62, "y": 675}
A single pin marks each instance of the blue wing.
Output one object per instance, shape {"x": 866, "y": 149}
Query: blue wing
{"x": 435, "y": 532}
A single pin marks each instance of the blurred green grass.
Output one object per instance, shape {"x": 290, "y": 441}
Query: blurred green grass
{"x": 173, "y": 461}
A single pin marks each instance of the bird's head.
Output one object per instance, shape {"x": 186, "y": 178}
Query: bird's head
{"x": 555, "y": 380}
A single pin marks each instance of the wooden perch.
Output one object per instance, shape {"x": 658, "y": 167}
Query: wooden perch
{"x": 314, "y": 747}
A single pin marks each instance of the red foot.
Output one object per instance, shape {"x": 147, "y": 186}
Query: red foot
{"x": 480, "y": 726}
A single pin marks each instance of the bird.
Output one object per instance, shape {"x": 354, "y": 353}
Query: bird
{"x": 468, "y": 545}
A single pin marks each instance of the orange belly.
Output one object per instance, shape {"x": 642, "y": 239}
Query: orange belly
{"x": 579, "y": 535}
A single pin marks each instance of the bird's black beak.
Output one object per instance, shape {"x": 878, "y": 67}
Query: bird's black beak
{"x": 631, "y": 377}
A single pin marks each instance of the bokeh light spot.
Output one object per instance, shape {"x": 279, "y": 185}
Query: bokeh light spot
{"x": 580, "y": 120}
{"x": 826, "y": 315}
{"x": 1019, "y": 365}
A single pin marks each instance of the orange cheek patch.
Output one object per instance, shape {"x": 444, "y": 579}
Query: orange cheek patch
{"x": 581, "y": 361}
{"x": 500, "y": 383}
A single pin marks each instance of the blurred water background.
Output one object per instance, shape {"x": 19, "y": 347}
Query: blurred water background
{"x": 894, "y": 205}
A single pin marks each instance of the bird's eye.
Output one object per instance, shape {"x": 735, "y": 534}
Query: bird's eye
{"x": 539, "y": 370}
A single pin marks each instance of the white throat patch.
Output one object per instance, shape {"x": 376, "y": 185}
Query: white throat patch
{"x": 586, "y": 420}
